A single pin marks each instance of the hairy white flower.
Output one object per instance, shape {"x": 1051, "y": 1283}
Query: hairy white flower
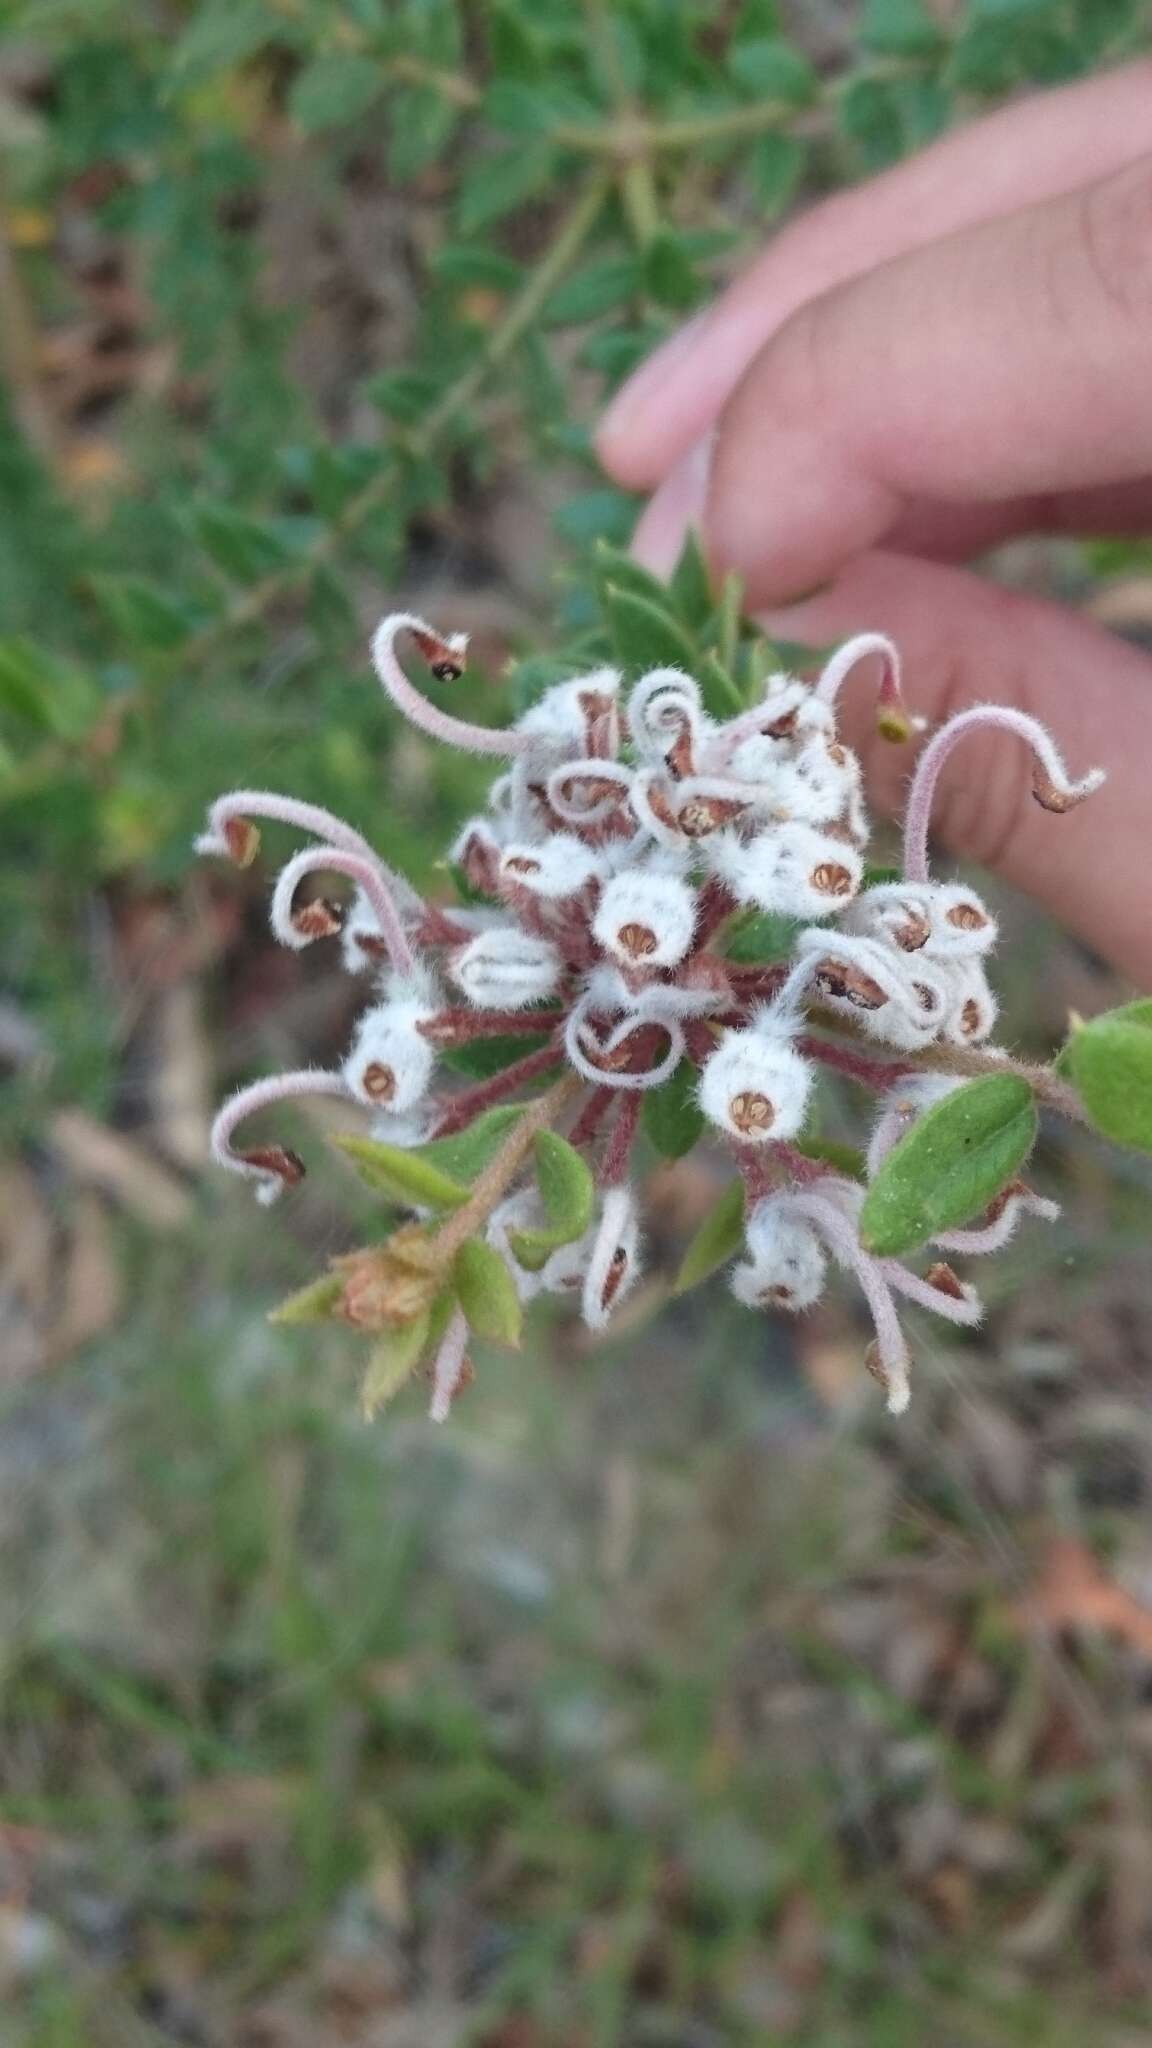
{"x": 942, "y": 920}
{"x": 971, "y": 1008}
{"x": 613, "y": 1261}
{"x": 506, "y": 969}
{"x": 755, "y": 1086}
{"x": 390, "y": 1064}
{"x": 793, "y": 870}
{"x": 899, "y": 1000}
{"x": 962, "y": 926}
{"x": 786, "y": 1265}
{"x": 645, "y": 918}
{"x": 555, "y": 868}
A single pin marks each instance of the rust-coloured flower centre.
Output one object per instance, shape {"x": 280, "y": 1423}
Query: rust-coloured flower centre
{"x": 637, "y": 940}
{"x": 966, "y": 917}
{"x": 750, "y": 1111}
{"x": 379, "y": 1082}
{"x": 830, "y": 879}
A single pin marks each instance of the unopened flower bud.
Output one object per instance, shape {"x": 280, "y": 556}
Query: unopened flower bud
{"x": 391, "y": 1062}
{"x": 792, "y": 870}
{"x": 646, "y": 919}
{"x": 786, "y": 1266}
{"x": 755, "y": 1087}
{"x": 899, "y": 999}
{"x": 613, "y": 1263}
{"x": 971, "y": 1008}
{"x": 506, "y": 969}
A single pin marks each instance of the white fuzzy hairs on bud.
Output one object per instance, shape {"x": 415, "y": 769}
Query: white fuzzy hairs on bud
{"x": 557, "y": 868}
{"x": 794, "y": 871}
{"x": 646, "y": 919}
{"x": 390, "y": 1064}
{"x": 786, "y": 1266}
{"x": 896, "y": 999}
{"x": 756, "y": 1087}
{"x": 614, "y": 1260}
{"x": 506, "y": 969}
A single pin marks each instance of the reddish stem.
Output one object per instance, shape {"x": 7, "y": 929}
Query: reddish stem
{"x": 755, "y": 1172}
{"x": 587, "y": 1125}
{"x": 463, "y": 1108}
{"x": 461, "y": 1026}
{"x": 700, "y": 1041}
{"x": 797, "y": 1164}
{"x": 715, "y": 904}
{"x": 875, "y": 1074}
{"x": 618, "y": 1151}
{"x": 438, "y": 928}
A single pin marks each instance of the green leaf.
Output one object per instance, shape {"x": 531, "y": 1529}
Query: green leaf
{"x": 644, "y": 635}
{"x": 567, "y": 1192}
{"x": 900, "y": 28}
{"x": 845, "y": 1159}
{"x": 615, "y": 569}
{"x": 244, "y": 548}
{"x": 487, "y": 1293}
{"x": 602, "y": 514}
{"x": 403, "y": 1176}
{"x": 775, "y": 166}
{"x": 948, "y": 1167}
{"x": 468, "y": 1152}
{"x": 762, "y": 936}
{"x": 391, "y": 1364}
{"x": 499, "y": 183}
{"x": 870, "y": 117}
{"x": 1110, "y": 1061}
{"x": 488, "y": 1056}
{"x": 718, "y": 1239}
{"x": 671, "y": 1116}
{"x": 46, "y": 690}
{"x": 668, "y": 273}
{"x": 718, "y": 687}
{"x": 143, "y": 614}
{"x": 594, "y": 289}
{"x": 333, "y": 89}
{"x": 773, "y": 70}
{"x": 690, "y": 587}
{"x": 420, "y": 122}
{"x": 311, "y": 1304}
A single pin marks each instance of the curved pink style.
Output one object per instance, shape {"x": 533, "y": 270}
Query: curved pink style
{"x": 272, "y": 1167}
{"x": 239, "y": 805}
{"x": 368, "y": 877}
{"x": 839, "y": 1235}
{"x": 1052, "y": 786}
{"x": 445, "y": 655}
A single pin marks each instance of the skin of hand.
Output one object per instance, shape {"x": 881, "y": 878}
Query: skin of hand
{"x": 956, "y": 352}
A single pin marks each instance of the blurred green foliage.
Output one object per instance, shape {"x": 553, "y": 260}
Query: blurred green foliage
{"x": 581, "y": 176}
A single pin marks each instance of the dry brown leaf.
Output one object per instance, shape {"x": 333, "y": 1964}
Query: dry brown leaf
{"x": 1075, "y": 1592}
{"x": 101, "y": 1157}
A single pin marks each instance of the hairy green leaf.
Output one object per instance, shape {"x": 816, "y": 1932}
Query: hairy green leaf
{"x": 468, "y": 1152}
{"x": 691, "y": 587}
{"x": 334, "y": 88}
{"x": 391, "y": 1364}
{"x": 1110, "y": 1062}
{"x": 644, "y": 634}
{"x": 311, "y": 1304}
{"x": 951, "y": 1163}
{"x": 487, "y": 1293}
{"x": 404, "y": 1176}
{"x": 671, "y": 1116}
{"x": 568, "y": 1194}
{"x": 718, "y": 1239}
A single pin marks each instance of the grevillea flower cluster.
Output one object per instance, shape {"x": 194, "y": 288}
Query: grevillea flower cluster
{"x": 627, "y": 834}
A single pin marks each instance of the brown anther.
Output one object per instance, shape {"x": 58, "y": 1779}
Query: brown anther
{"x": 837, "y": 978}
{"x": 242, "y": 839}
{"x": 1049, "y": 797}
{"x": 276, "y": 1159}
{"x": 378, "y": 1082}
{"x": 913, "y": 933}
{"x": 521, "y": 864}
{"x": 970, "y": 1017}
{"x": 617, "y": 1268}
{"x": 446, "y": 663}
{"x": 320, "y": 919}
{"x": 752, "y": 1112}
{"x": 680, "y": 756}
{"x": 704, "y": 814}
{"x": 372, "y": 944}
{"x": 777, "y": 1296}
{"x": 926, "y": 997}
{"x": 966, "y": 917}
{"x": 782, "y": 728}
{"x": 830, "y": 879}
{"x": 945, "y": 1281}
{"x": 637, "y": 940}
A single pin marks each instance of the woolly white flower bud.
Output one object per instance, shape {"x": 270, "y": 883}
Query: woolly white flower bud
{"x": 646, "y": 919}
{"x": 897, "y": 999}
{"x": 792, "y": 869}
{"x": 755, "y": 1086}
{"x": 613, "y": 1261}
{"x": 555, "y": 868}
{"x": 506, "y": 969}
{"x": 563, "y": 718}
{"x": 971, "y": 1008}
{"x": 787, "y": 1265}
{"x": 962, "y": 926}
{"x": 815, "y": 780}
{"x": 390, "y": 1064}
{"x": 894, "y": 913}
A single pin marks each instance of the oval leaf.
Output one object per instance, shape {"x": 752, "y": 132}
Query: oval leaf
{"x": 1110, "y": 1061}
{"x": 566, "y": 1186}
{"x": 672, "y": 1118}
{"x": 718, "y": 1239}
{"x": 487, "y": 1293}
{"x": 646, "y": 635}
{"x": 952, "y": 1162}
{"x": 388, "y": 1170}
{"x": 311, "y": 1304}
{"x": 468, "y": 1152}
{"x": 393, "y": 1361}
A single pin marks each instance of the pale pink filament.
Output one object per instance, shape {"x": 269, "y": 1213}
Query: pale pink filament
{"x": 456, "y": 732}
{"x": 288, "y": 810}
{"x": 966, "y": 1312}
{"x": 367, "y": 875}
{"x": 837, "y": 670}
{"x": 991, "y": 1237}
{"x": 448, "y": 1366}
{"x": 840, "y": 1237}
{"x": 1005, "y": 718}
{"x": 246, "y": 1101}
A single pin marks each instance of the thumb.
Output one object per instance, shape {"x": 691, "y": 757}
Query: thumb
{"x": 964, "y": 641}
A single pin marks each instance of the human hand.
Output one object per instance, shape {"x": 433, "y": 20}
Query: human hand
{"x": 958, "y": 351}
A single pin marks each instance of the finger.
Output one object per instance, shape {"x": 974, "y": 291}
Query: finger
{"x": 963, "y": 641}
{"x": 1008, "y": 359}
{"x": 1014, "y": 158}
{"x": 921, "y": 526}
